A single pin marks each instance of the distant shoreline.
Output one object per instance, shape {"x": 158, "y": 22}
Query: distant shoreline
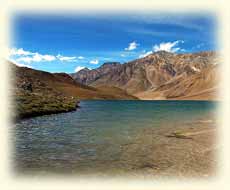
{"x": 36, "y": 114}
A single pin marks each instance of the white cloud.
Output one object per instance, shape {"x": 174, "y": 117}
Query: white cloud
{"x": 132, "y": 46}
{"x": 168, "y": 46}
{"x": 48, "y": 57}
{"x": 94, "y": 62}
{"x": 65, "y": 58}
{"x": 122, "y": 55}
{"x": 25, "y": 59}
{"x": 23, "y": 56}
{"x": 20, "y": 51}
{"x": 80, "y": 57}
{"x": 164, "y": 46}
{"x": 36, "y": 57}
{"x": 145, "y": 54}
{"x": 78, "y": 68}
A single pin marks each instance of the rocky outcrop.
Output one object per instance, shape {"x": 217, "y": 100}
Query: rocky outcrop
{"x": 86, "y": 76}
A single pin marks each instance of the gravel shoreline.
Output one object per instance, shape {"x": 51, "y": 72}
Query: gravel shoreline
{"x": 193, "y": 153}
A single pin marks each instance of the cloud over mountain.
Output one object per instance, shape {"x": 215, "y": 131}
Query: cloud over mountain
{"x": 95, "y": 62}
{"x": 65, "y": 58}
{"x": 23, "y": 56}
{"x": 132, "y": 46}
{"x": 168, "y": 46}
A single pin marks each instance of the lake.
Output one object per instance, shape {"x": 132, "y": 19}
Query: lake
{"x": 92, "y": 139}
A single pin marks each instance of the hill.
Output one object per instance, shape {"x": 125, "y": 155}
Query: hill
{"x": 38, "y": 92}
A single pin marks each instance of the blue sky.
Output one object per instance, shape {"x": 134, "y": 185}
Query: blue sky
{"x": 69, "y": 42}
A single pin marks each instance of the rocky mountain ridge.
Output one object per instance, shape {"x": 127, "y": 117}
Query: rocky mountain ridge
{"x": 150, "y": 73}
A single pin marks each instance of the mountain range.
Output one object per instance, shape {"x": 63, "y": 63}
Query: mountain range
{"x": 160, "y": 75}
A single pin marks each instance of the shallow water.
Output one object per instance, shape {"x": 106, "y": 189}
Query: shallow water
{"x": 91, "y": 139}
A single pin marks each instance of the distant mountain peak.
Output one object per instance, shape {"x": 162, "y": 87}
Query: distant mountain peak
{"x": 84, "y": 70}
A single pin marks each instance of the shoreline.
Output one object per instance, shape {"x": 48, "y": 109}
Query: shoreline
{"x": 72, "y": 108}
{"x": 187, "y": 150}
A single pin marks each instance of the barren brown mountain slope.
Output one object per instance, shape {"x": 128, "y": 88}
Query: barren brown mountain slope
{"x": 38, "y": 92}
{"x": 157, "y": 76}
{"x": 199, "y": 86}
{"x": 63, "y": 83}
{"x": 34, "y": 96}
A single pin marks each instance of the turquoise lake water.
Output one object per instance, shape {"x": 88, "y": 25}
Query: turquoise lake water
{"x": 90, "y": 138}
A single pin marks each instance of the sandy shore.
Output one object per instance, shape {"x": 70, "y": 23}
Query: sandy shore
{"x": 187, "y": 150}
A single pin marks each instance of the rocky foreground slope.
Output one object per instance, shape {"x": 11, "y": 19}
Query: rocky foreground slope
{"x": 160, "y": 75}
{"x": 38, "y": 92}
{"x": 34, "y": 96}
